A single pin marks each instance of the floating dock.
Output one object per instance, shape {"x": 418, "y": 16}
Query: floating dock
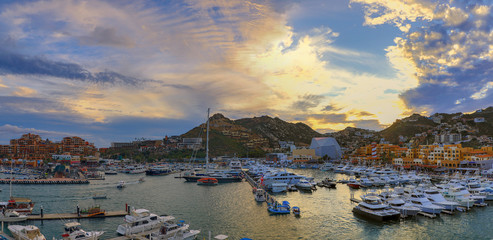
{"x": 58, "y": 216}
{"x": 45, "y": 181}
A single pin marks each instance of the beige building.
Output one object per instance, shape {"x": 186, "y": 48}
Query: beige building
{"x": 304, "y": 155}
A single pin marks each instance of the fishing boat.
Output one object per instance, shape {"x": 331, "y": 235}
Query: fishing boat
{"x": 29, "y": 232}
{"x": 207, "y": 181}
{"x": 73, "y": 232}
{"x": 11, "y": 216}
{"x": 141, "y": 220}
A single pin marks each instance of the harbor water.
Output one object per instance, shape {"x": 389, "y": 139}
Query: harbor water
{"x": 230, "y": 209}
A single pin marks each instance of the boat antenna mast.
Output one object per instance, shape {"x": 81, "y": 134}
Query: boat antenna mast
{"x": 207, "y": 142}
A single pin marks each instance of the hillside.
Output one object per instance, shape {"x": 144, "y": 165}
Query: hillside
{"x": 252, "y": 135}
{"x": 407, "y": 127}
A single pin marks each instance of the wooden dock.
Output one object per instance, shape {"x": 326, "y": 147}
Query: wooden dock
{"x": 427, "y": 215}
{"x": 58, "y": 216}
{"x": 45, "y": 181}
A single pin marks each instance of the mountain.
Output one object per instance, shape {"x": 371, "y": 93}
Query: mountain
{"x": 421, "y": 128}
{"x": 228, "y": 136}
{"x": 408, "y": 127}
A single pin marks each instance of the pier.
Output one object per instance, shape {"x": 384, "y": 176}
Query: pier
{"x": 45, "y": 181}
{"x": 58, "y": 216}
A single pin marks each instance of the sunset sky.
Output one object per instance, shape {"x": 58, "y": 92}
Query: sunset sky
{"x": 119, "y": 70}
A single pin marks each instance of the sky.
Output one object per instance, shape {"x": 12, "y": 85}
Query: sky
{"x": 116, "y": 71}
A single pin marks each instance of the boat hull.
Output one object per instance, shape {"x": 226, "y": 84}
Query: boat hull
{"x": 380, "y": 218}
{"x": 219, "y": 179}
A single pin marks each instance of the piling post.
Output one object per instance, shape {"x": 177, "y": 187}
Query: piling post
{"x": 42, "y": 211}
{"x": 78, "y": 210}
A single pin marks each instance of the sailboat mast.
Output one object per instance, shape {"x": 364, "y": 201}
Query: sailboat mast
{"x": 207, "y": 142}
{"x": 11, "y": 175}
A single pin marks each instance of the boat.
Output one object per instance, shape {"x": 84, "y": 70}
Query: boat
{"x": 373, "y": 208}
{"x": 404, "y": 208}
{"x": 141, "y": 220}
{"x": 279, "y": 209}
{"x": 99, "y": 196}
{"x": 110, "y": 172}
{"x": 73, "y": 232}
{"x": 121, "y": 184}
{"x": 207, "y": 181}
{"x": 170, "y": 230}
{"x": 158, "y": 171}
{"x": 304, "y": 185}
{"x": 281, "y": 176}
{"x": 437, "y": 198}
{"x": 353, "y": 183}
{"x": 279, "y": 187}
{"x": 419, "y": 200}
{"x": 11, "y": 216}
{"x": 260, "y": 195}
{"x": 18, "y": 204}
{"x": 296, "y": 211}
{"x": 222, "y": 177}
{"x": 29, "y": 232}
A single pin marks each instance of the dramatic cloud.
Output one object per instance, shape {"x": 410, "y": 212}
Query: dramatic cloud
{"x": 15, "y": 131}
{"x": 307, "y": 101}
{"x": 449, "y": 51}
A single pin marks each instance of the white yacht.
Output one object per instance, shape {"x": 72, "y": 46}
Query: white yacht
{"x": 141, "y": 220}
{"x": 281, "y": 176}
{"x": 8, "y": 215}
{"x": 372, "y": 207}
{"x": 419, "y": 200}
{"x": 138, "y": 169}
{"x": 29, "y": 232}
{"x": 278, "y": 187}
{"x": 459, "y": 194}
{"x": 260, "y": 195}
{"x": 406, "y": 209}
{"x": 437, "y": 198}
{"x": 170, "y": 230}
{"x": 73, "y": 232}
{"x": 304, "y": 184}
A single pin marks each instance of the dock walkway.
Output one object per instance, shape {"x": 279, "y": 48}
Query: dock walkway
{"x": 45, "y": 181}
{"x": 57, "y": 216}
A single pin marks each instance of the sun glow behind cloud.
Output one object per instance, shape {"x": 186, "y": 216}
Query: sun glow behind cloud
{"x": 103, "y": 61}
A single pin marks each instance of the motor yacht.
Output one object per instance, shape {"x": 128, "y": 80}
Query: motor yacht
{"x": 29, "y": 232}
{"x": 406, "y": 209}
{"x": 437, "y": 198}
{"x": 304, "y": 184}
{"x": 260, "y": 195}
{"x": 73, "y": 232}
{"x": 419, "y": 200}
{"x": 7, "y": 215}
{"x": 372, "y": 207}
{"x": 171, "y": 230}
{"x": 141, "y": 220}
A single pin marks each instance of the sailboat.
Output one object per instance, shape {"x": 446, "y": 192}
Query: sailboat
{"x": 220, "y": 176}
{"x": 21, "y": 205}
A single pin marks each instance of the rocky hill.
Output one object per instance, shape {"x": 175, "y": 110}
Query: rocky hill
{"x": 228, "y": 136}
{"x": 476, "y": 125}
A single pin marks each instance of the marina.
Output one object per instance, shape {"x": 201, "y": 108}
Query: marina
{"x": 325, "y": 213}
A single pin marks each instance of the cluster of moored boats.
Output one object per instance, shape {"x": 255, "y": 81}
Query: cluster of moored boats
{"x": 426, "y": 198}
{"x": 139, "y": 222}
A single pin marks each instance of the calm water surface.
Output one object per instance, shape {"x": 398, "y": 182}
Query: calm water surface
{"x": 230, "y": 209}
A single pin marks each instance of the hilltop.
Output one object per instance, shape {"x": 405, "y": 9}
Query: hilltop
{"x": 251, "y": 134}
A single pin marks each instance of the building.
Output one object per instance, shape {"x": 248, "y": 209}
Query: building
{"x": 448, "y": 138}
{"x": 191, "y": 143}
{"x": 304, "y": 155}
{"x": 326, "y": 146}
